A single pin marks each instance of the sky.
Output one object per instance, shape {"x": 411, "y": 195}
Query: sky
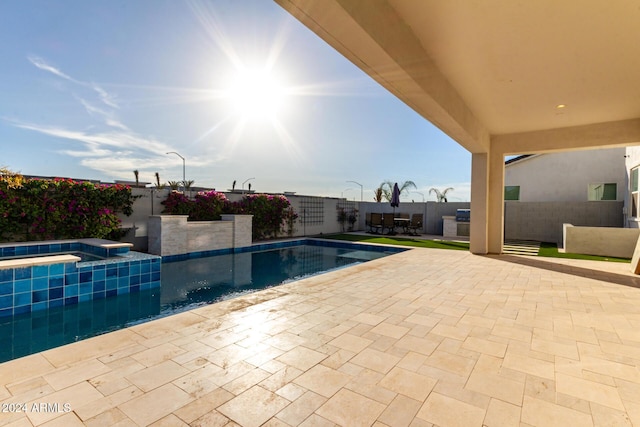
{"x": 239, "y": 88}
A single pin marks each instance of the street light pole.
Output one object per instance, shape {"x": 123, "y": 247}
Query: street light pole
{"x": 361, "y": 188}
{"x": 184, "y": 180}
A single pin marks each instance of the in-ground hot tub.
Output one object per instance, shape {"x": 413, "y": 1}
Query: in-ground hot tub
{"x": 39, "y": 275}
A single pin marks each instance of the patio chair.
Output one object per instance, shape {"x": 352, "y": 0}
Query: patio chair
{"x": 375, "y": 223}
{"x": 415, "y": 224}
{"x": 388, "y": 224}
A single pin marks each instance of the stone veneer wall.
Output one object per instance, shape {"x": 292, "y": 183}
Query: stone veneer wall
{"x": 174, "y": 235}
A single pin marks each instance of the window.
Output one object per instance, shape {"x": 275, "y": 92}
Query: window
{"x": 603, "y": 192}
{"x": 512, "y": 192}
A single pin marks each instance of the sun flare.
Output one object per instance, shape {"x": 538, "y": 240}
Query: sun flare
{"x": 257, "y": 94}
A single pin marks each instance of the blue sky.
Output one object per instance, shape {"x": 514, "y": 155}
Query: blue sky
{"x": 96, "y": 89}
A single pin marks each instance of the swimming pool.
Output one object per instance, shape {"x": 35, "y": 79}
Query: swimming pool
{"x": 185, "y": 284}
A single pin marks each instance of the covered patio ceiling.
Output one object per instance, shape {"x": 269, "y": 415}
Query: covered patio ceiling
{"x": 500, "y": 77}
{"x": 483, "y": 70}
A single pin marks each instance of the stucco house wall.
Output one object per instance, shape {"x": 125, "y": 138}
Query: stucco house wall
{"x": 565, "y": 176}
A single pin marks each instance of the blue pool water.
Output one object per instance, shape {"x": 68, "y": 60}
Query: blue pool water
{"x": 185, "y": 284}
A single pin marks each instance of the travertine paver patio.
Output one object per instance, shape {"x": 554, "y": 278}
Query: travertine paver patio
{"x": 425, "y": 337}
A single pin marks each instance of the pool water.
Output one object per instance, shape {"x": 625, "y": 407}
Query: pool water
{"x": 185, "y": 285}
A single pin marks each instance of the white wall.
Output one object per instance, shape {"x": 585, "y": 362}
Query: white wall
{"x": 565, "y": 176}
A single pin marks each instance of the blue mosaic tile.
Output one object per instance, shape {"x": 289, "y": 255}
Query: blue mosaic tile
{"x": 40, "y": 283}
{"x": 99, "y": 285}
{"x": 112, "y": 271}
{"x": 71, "y": 291}
{"x": 40, "y": 271}
{"x": 56, "y": 282}
{"x": 55, "y": 247}
{"x": 55, "y": 293}
{"x": 6, "y": 301}
{"x": 71, "y": 279}
{"x": 99, "y": 275}
{"x": 22, "y": 310}
{"x": 22, "y": 299}
{"x": 6, "y": 275}
{"x": 99, "y": 295}
{"x": 56, "y": 269}
{"x": 86, "y": 276}
{"x": 123, "y": 271}
{"x": 22, "y": 273}
{"x": 156, "y": 284}
{"x": 56, "y": 303}
{"x": 85, "y": 288}
{"x": 20, "y": 286}
{"x": 40, "y": 306}
{"x": 112, "y": 293}
{"x": 112, "y": 284}
{"x": 32, "y": 250}
{"x": 40, "y": 296}
{"x": 134, "y": 269}
{"x": 6, "y": 288}
{"x": 6, "y": 312}
{"x": 70, "y": 267}
{"x": 145, "y": 278}
{"x": 134, "y": 280}
{"x": 122, "y": 291}
{"x": 85, "y": 297}
{"x": 70, "y": 300}
{"x": 21, "y": 250}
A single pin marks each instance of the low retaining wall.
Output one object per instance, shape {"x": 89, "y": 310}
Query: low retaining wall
{"x": 174, "y": 235}
{"x": 602, "y": 241}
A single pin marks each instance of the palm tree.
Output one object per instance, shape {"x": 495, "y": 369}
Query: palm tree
{"x": 387, "y": 188}
{"x": 377, "y": 195}
{"x": 441, "y": 195}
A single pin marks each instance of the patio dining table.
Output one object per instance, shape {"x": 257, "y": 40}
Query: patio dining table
{"x": 402, "y": 222}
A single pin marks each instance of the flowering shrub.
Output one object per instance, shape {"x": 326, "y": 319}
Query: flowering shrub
{"x": 207, "y": 205}
{"x": 272, "y": 215}
{"x": 38, "y": 209}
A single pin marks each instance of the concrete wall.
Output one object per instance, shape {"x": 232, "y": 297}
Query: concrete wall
{"x": 174, "y": 235}
{"x": 602, "y": 241}
{"x": 542, "y": 221}
{"x": 565, "y": 176}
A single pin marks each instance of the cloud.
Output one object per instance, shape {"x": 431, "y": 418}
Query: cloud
{"x": 43, "y": 65}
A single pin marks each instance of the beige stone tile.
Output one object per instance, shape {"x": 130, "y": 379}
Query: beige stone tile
{"x": 155, "y": 355}
{"x": 281, "y": 378}
{"x": 77, "y": 373}
{"x": 75, "y": 396}
{"x": 301, "y": 358}
{"x": 322, "y": 380}
{"x": 24, "y": 368}
{"x": 199, "y": 382}
{"x": 483, "y": 346}
{"x": 315, "y": 420}
{"x": 633, "y": 412}
{"x": 412, "y": 361}
{"x": 246, "y": 381}
{"x": 542, "y": 413}
{"x": 265, "y": 355}
{"x": 458, "y": 332}
{"x": 513, "y": 333}
{"x": 604, "y": 416}
{"x": 420, "y": 319}
{"x": 400, "y": 412}
{"x": 108, "y": 419}
{"x": 291, "y": 391}
{"x": 350, "y": 342}
{"x": 589, "y": 390}
{"x": 157, "y": 375}
{"x": 26, "y": 388}
{"x": 203, "y": 405}
{"x": 20, "y": 420}
{"x": 502, "y": 414}
{"x": 337, "y": 359}
{"x": 301, "y": 408}
{"x": 367, "y": 382}
{"x": 446, "y": 411}
{"x": 95, "y": 347}
{"x": 155, "y": 404}
{"x": 253, "y": 407}
{"x": 104, "y": 404}
{"x": 169, "y": 421}
{"x": 285, "y": 341}
{"x": 376, "y": 360}
{"x": 410, "y": 384}
{"x": 66, "y": 420}
{"x": 390, "y": 330}
{"x": 213, "y": 419}
{"x": 419, "y": 345}
{"x": 349, "y": 408}
{"x": 369, "y": 318}
{"x": 529, "y": 365}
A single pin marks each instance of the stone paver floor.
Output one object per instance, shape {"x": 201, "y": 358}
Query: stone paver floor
{"x": 425, "y": 337}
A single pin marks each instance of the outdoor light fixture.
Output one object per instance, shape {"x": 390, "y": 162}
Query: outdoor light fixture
{"x": 184, "y": 181}
{"x": 357, "y": 183}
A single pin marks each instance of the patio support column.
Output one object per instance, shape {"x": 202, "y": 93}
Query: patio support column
{"x": 487, "y": 204}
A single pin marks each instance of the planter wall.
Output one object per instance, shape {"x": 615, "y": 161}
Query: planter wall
{"x": 174, "y": 235}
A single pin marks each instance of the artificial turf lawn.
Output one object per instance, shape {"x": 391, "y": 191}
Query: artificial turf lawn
{"x": 546, "y": 249}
